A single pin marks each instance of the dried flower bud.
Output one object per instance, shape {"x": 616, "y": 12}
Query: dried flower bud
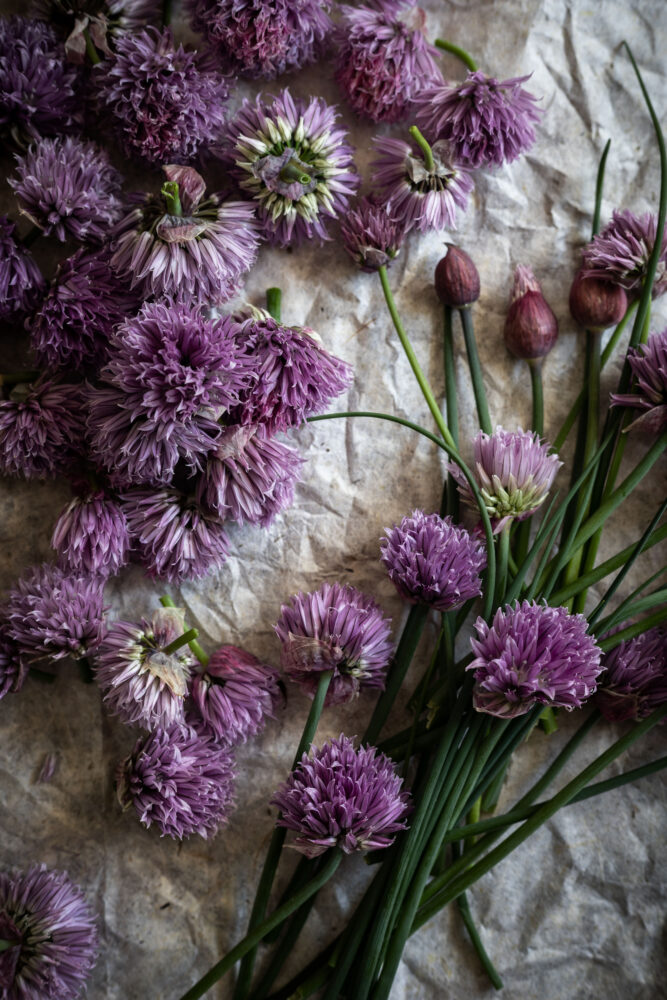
{"x": 531, "y": 328}
{"x": 457, "y": 279}
{"x": 596, "y": 304}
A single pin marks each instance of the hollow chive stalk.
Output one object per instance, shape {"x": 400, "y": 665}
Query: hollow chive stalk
{"x": 198, "y": 650}
{"x": 475, "y": 366}
{"x": 450, "y": 495}
{"x": 475, "y": 937}
{"x": 456, "y": 50}
{"x": 273, "y": 302}
{"x": 657, "y": 618}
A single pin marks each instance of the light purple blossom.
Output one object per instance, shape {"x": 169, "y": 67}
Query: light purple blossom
{"x": 371, "y": 235}
{"x": 235, "y": 694}
{"x": 335, "y": 628}
{"x": 292, "y": 159}
{"x": 341, "y": 797}
{"x": 432, "y": 561}
{"x": 620, "y": 252}
{"x": 488, "y": 122}
{"x": 635, "y": 679}
{"x": 41, "y": 428}
{"x": 51, "y": 933}
{"x": 530, "y": 655}
{"x": 91, "y": 535}
{"x": 179, "y": 779}
{"x": 649, "y": 367}
{"x": 21, "y": 281}
{"x": 13, "y": 668}
{"x": 419, "y": 196}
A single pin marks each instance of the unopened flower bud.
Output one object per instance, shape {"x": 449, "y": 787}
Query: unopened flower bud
{"x": 596, "y": 304}
{"x": 531, "y": 328}
{"x": 456, "y": 279}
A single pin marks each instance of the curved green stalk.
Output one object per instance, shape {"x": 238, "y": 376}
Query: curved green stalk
{"x": 429, "y": 162}
{"x": 476, "y": 374}
{"x": 456, "y": 50}
{"x": 599, "y": 187}
{"x": 198, "y": 650}
{"x": 273, "y": 302}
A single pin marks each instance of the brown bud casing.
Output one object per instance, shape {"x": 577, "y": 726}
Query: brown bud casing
{"x": 596, "y": 304}
{"x": 531, "y": 328}
{"x": 457, "y": 279}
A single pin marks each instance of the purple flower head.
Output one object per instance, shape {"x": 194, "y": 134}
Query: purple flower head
{"x": 341, "y": 797}
{"x": 635, "y": 680}
{"x": 419, "y": 194}
{"x": 335, "y": 628}
{"x": 514, "y": 472}
{"x": 102, "y": 20}
{"x": 649, "y": 367}
{"x": 262, "y": 38}
{"x": 51, "y": 933}
{"x": 21, "y": 281}
{"x": 175, "y": 537}
{"x": 67, "y": 187}
{"x": 235, "y": 694}
{"x": 371, "y": 235}
{"x": 621, "y": 251}
{"x": 140, "y": 682}
{"x": 290, "y": 157}
{"x": 488, "y": 122}
{"x": 181, "y": 779}
{"x": 52, "y": 613}
{"x": 295, "y": 376}
{"x": 383, "y": 60}
{"x": 38, "y": 90}
{"x": 166, "y": 103}
{"x": 91, "y": 535}
{"x": 41, "y": 428}
{"x": 249, "y": 476}
{"x": 84, "y": 304}
{"x": 199, "y": 255}
{"x": 533, "y": 655}
{"x": 13, "y": 669}
{"x": 432, "y": 561}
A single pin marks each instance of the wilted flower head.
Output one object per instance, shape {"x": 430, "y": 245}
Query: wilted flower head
{"x": 41, "y": 428}
{"x": 294, "y": 162}
{"x": 635, "y": 679}
{"x": 488, "y": 122}
{"x": 52, "y": 613}
{"x": 383, "y": 60}
{"x": 533, "y": 655}
{"x": 102, "y": 20}
{"x": 67, "y": 187}
{"x": 531, "y": 327}
{"x": 371, "y": 235}
{"x": 181, "y": 779}
{"x": 514, "y": 472}
{"x": 176, "y": 245}
{"x": 432, "y": 561}
{"x": 13, "y": 669}
{"x": 50, "y": 932}
{"x": 140, "y": 681}
{"x": 341, "y": 797}
{"x": 165, "y": 103}
{"x": 335, "y": 628}
{"x": 621, "y": 251}
{"x": 262, "y": 38}
{"x": 21, "y": 282}
{"x": 422, "y": 193}
{"x": 649, "y": 367}
{"x": 235, "y": 694}
{"x": 91, "y": 535}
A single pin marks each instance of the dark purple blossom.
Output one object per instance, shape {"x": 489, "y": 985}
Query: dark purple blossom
{"x": 383, "y": 60}
{"x": 649, "y": 367}
{"x": 102, "y": 20}
{"x": 181, "y": 780}
{"x": 52, "y": 613}
{"x": 51, "y": 935}
{"x": 335, "y": 628}
{"x": 530, "y": 655}
{"x": 13, "y": 668}
{"x": 235, "y": 694}
{"x": 341, "y": 797}
{"x": 262, "y": 38}
{"x": 371, "y": 235}
{"x": 420, "y": 194}
{"x": 67, "y": 187}
{"x": 41, "y": 428}
{"x": 620, "y": 252}
{"x": 91, "y": 535}
{"x": 635, "y": 679}
{"x": 291, "y": 158}
{"x": 21, "y": 281}
{"x": 488, "y": 122}
{"x": 432, "y": 561}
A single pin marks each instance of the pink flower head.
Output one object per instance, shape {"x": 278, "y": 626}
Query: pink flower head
{"x": 235, "y": 694}
{"x": 649, "y": 367}
{"x": 620, "y": 252}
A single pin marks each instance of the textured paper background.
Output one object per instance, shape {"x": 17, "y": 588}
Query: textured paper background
{"x": 578, "y": 912}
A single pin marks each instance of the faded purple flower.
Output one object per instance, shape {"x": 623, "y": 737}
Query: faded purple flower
{"x": 41, "y": 428}
{"x": 91, "y": 535}
{"x": 50, "y": 931}
{"x": 335, "y": 628}
{"x": 371, "y": 235}
{"x": 235, "y": 694}
{"x": 51, "y": 613}
{"x": 262, "y": 38}
{"x": 514, "y": 472}
{"x": 432, "y": 561}
{"x": 488, "y": 122}
{"x": 635, "y": 679}
{"x": 533, "y": 655}
{"x": 101, "y": 19}
{"x": 13, "y": 669}
{"x": 341, "y": 797}
{"x": 291, "y": 158}
{"x": 140, "y": 681}
{"x": 181, "y": 779}
{"x": 420, "y": 194}
{"x": 383, "y": 60}
{"x": 21, "y": 281}
{"x": 649, "y": 367}
{"x": 621, "y": 251}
